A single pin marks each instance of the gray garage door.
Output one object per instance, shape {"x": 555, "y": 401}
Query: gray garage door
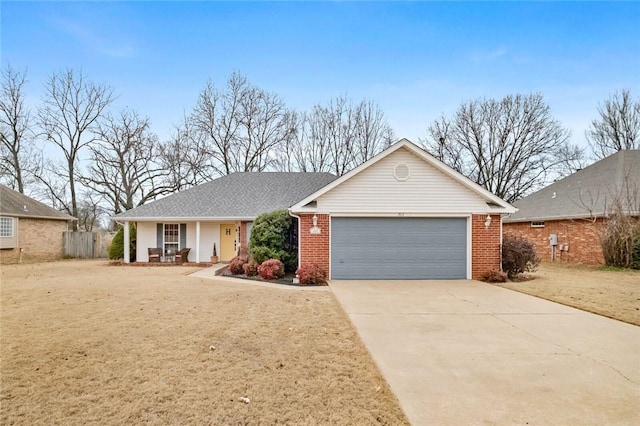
{"x": 398, "y": 248}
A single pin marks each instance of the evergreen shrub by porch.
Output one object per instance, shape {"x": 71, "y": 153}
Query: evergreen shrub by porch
{"x": 116, "y": 249}
{"x": 236, "y": 265}
{"x": 271, "y": 269}
{"x": 518, "y": 255}
{"x": 309, "y": 274}
{"x": 270, "y": 239}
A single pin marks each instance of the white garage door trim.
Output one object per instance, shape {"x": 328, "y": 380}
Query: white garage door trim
{"x": 468, "y": 218}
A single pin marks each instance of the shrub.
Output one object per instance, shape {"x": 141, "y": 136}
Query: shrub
{"x": 518, "y": 255}
{"x": 270, "y": 239}
{"x": 116, "y": 249}
{"x": 236, "y": 265}
{"x": 621, "y": 240}
{"x": 309, "y": 274}
{"x": 271, "y": 269}
{"x": 635, "y": 254}
{"x": 494, "y": 276}
{"x": 250, "y": 269}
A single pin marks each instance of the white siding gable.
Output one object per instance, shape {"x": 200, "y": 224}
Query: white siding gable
{"x": 426, "y": 191}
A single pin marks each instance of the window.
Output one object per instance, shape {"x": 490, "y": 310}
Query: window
{"x": 171, "y": 237}
{"x": 8, "y": 233}
{"x": 6, "y": 227}
{"x": 539, "y": 224}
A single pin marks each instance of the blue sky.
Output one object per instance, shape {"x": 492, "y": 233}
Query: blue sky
{"x": 417, "y": 60}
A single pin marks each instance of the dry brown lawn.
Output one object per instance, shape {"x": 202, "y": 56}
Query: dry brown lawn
{"x": 83, "y": 342}
{"x": 614, "y": 294}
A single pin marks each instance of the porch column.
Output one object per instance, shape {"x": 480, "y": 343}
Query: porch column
{"x": 126, "y": 242}
{"x": 198, "y": 242}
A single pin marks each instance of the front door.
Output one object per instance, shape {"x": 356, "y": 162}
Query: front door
{"x": 227, "y": 241}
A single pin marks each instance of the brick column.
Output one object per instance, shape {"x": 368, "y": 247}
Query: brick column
{"x": 314, "y": 248}
{"x": 485, "y": 245}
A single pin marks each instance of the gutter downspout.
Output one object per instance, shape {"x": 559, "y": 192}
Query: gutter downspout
{"x": 299, "y": 233}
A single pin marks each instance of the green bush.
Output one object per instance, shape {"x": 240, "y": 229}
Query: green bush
{"x": 270, "y": 239}
{"x": 518, "y": 255}
{"x": 116, "y": 249}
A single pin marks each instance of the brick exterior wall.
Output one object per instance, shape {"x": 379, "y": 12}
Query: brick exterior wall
{"x": 40, "y": 239}
{"x": 314, "y": 249}
{"x": 581, "y": 235}
{"x": 485, "y": 245}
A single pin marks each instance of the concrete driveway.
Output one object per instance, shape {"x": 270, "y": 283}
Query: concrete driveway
{"x": 466, "y": 352}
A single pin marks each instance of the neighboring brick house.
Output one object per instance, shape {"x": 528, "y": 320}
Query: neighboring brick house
{"x": 575, "y": 209}
{"x": 401, "y": 215}
{"x": 30, "y": 231}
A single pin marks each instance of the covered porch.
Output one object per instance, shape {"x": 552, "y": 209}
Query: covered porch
{"x": 200, "y": 236}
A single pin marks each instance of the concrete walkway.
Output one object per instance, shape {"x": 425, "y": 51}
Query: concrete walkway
{"x": 466, "y": 352}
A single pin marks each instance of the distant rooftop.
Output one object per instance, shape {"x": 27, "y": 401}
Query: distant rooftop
{"x": 588, "y": 193}
{"x": 15, "y": 204}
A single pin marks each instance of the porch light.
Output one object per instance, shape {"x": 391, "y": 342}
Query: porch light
{"x": 487, "y": 221}
{"x": 314, "y": 229}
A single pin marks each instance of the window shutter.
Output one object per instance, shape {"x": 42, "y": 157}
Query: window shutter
{"x": 159, "y": 235}
{"x": 183, "y": 235}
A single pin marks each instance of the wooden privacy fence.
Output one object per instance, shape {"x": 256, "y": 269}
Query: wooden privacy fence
{"x": 86, "y": 245}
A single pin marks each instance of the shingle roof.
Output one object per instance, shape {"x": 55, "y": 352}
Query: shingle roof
{"x": 238, "y": 195}
{"x": 13, "y": 203}
{"x": 587, "y": 193}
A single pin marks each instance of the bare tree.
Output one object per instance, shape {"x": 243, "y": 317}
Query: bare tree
{"x": 618, "y": 126}
{"x": 185, "y": 158}
{"x": 17, "y": 151}
{"x": 240, "y": 126}
{"x": 68, "y": 116}
{"x": 123, "y": 167}
{"x": 90, "y": 212}
{"x": 570, "y": 159}
{"x": 508, "y": 146}
{"x": 339, "y": 136}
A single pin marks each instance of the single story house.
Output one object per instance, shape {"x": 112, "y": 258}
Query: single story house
{"x": 30, "y": 231}
{"x": 565, "y": 219}
{"x": 401, "y": 215}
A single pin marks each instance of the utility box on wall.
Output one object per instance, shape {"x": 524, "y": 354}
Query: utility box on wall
{"x": 553, "y": 239}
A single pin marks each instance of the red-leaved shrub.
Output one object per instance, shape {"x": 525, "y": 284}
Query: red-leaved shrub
{"x": 494, "y": 276}
{"x": 250, "y": 269}
{"x": 236, "y": 264}
{"x": 311, "y": 274}
{"x": 271, "y": 269}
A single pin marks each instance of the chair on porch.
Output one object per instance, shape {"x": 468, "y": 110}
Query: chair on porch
{"x": 183, "y": 255}
{"x": 154, "y": 254}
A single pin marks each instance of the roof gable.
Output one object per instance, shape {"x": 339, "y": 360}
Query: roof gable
{"x": 15, "y": 204}
{"x": 587, "y": 193}
{"x": 236, "y": 196}
{"x": 432, "y": 185}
